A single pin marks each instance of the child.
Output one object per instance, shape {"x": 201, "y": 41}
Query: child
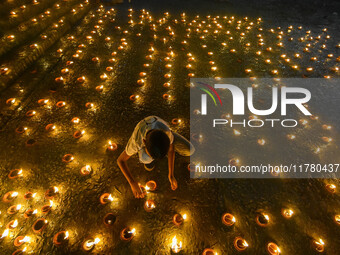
{"x": 153, "y": 139}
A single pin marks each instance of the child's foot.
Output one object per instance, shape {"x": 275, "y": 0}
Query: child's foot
{"x": 150, "y": 166}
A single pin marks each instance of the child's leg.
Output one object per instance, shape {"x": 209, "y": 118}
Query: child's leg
{"x": 182, "y": 145}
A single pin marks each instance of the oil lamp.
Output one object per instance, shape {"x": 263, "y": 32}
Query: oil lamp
{"x": 10, "y": 196}
{"x": 178, "y": 219}
{"x": 31, "y": 113}
{"x": 67, "y": 158}
{"x": 262, "y": 219}
{"x": 81, "y": 79}
{"x": 149, "y": 205}
{"x": 21, "y": 240}
{"x": 318, "y": 245}
{"x": 89, "y": 245}
{"x": 78, "y": 134}
{"x": 50, "y": 127}
{"x": 228, "y": 219}
{"x": 39, "y": 225}
{"x": 331, "y": 188}
{"x": 327, "y": 139}
{"x": 29, "y": 195}
{"x": 240, "y": 244}
{"x": 166, "y": 96}
{"x": 273, "y": 249}
{"x": 14, "y": 209}
{"x": 42, "y": 102}
{"x": 337, "y": 219}
{"x": 15, "y": 173}
{"x": 47, "y": 208}
{"x": 261, "y": 141}
{"x": 112, "y": 146}
{"x": 75, "y": 120}
{"x": 86, "y": 170}
{"x": 287, "y": 213}
{"x": 127, "y": 234}
{"x": 60, "y": 104}
{"x": 12, "y": 224}
{"x": 209, "y": 251}
{"x": 51, "y": 192}
{"x": 106, "y": 198}
{"x": 234, "y": 162}
{"x": 30, "y": 213}
{"x": 100, "y": 88}
{"x": 103, "y": 76}
{"x": 151, "y": 186}
{"x": 61, "y": 238}
{"x": 109, "y": 219}
{"x": 176, "y": 246}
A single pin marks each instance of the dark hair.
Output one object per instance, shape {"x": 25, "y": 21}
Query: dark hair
{"x": 157, "y": 143}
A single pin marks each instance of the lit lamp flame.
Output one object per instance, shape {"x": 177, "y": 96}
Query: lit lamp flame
{"x": 4, "y": 234}
{"x": 14, "y": 224}
{"x": 66, "y": 235}
{"x": 175, "y": 246}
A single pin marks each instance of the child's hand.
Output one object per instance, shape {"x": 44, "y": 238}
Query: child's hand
{"x": 137, "y": 192}
{"x": 173, "y": 182}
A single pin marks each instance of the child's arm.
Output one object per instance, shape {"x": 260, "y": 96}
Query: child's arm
{"x": 171, "y": 162}
{"x": 122, "y": 163}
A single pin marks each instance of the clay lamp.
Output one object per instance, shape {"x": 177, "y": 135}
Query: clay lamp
{"x": 11, "y": 37}
{"x": 142, "y": 188}
{"x": 89, "y": 245}
{"x": 209, "y": 251}
{"x": 166, "y": 96}
{"x": 61, "y": 104}
{"x": 112, "y": 146}
{"x": 21, "y": 240}
{"x": 262, "y": 219}
{"x": 89, "y": 105}
{"x": 60, "y": 50}
{"x": 287, "y": 213}
{"x": 234, "y": 162}
{"x": 318, "y": 245}
{"x": 50, "y": 127}
{"x": 109, "y": 219}
{"x": 51, "y": 192}
{"x": 75, "y": 120}
{"x": 67, "y": 158}
{"x": 86, "y": 170}
{"x": 14, "y": 209}
{"x": 228, "y": 219}
{"x": 65, "y": 70}
{"x": 100, "y": 88}
{"x": 127, "y": 234}
{"x": 141, "y": 82}
{"x": 149, "y": 205}
{"x": 240, "y": 244}
{"x": 95, "y": 59}
{"x": 176, "y": 246}
{"x": 20, "y": 252}
{"x": 29, "y": 195}
{"x": 30, "y": 113}
{"x": 30, "y": 142}
{"x": 39, "y": 225}
{"x": 12, "y": 224}
{"x": 273, "y": 249}
{"x": 337, "y": 219}
{"x": 134, "y": 97}
{"x": 168, "y": 76}
{"x": 10, "y": 101}
{"x": 78, "y": 134}
{"x": 109, "y": 68}
{"x": 10, "y": 196}
{"x": 4, "y": 70}
{"x": 151, "y": 185}
{"x": 15, "y": 173}
{"x": 103, "y": 76}
{"x": 176, "y": 121}
{"x": 261, "y": 142}
{"x": 166, "y": 85}
{"x": 112, "y": 60}
{"x": 331, "y": 188}
{"x": 59, "y": 79}
{"x": 106, "y": 198}
{"x": 178, "y": 219}
{"x": 47, "y": 208}
{"x": 81, "y": 79}
{"x": 29, "y": 213}
{"x": 42, "y": 101}
{"x": 69, "y": 63}
{"x": 21, "y": 130}
{"x": 61, "y": 238}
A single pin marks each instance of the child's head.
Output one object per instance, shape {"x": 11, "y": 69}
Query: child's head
{"x": 157, "y": 143}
